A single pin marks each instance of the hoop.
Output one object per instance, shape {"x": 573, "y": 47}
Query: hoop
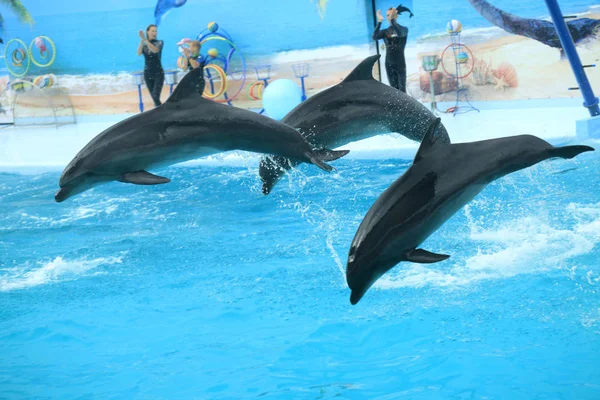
{"x": 49, "y": 63}
{"x": 207, "y": 35}
{"x": 261, "y": 88}
{"x": 23, "y": 52}
{"x": 217, "y": 38}
{"x": 18, "y": 61}
{"x": 457, "y": 46}
{"x": 223, "y": 77}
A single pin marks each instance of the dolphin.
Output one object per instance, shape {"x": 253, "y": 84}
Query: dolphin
{"x": 581, "y": 29}
{"x": 187, "y": 126}
{"x": 357, "y": 108}
{"x": 163, "y": 7}
{"x": 400, "y": 9}
{"x": 441, "y": 180}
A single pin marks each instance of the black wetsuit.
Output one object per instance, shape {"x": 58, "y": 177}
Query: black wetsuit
{"x": 154, "y": 75}
{"x": 395, "y": 41}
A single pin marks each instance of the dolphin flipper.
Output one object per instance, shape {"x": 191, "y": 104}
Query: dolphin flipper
{"x": 425, "y": 257}
{"x": 143, "y": 178}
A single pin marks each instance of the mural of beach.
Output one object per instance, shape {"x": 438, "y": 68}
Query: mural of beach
{"x": 96, "y": 44}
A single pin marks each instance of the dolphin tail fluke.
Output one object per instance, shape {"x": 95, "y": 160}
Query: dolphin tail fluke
{"x": 318, "y": 157}
{"x": 569, "y": 151}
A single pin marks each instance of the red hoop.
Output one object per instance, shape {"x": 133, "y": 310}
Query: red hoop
{"x": 460, "y": 45}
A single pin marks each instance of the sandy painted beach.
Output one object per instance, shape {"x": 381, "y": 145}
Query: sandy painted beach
{"x": 507, "y": 67}
{"x": 516, "y": 68}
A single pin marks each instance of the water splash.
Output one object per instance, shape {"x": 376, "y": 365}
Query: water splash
{"x": 57, "y": 270}
{"x": 525, "y": 245}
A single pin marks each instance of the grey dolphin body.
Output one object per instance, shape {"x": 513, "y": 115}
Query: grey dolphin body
{"x": 441, "y": 180}
{"x": 185, "y": 127}
{"x": 357, "y": 108}
{"x": 402, "y": 9}
{"x": 581, "y": 29}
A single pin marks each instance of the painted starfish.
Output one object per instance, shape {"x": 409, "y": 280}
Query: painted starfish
{"x": 501, "y": 84}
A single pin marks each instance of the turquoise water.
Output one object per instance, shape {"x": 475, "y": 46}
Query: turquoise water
{"x": 97, "y": 39}
{"x": 206, "y": 289}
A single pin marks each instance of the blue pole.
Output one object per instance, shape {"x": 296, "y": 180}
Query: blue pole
{"x": 140, "y": 95}
{"x": 590, "y": 101}
{"x": 303, "y": 89}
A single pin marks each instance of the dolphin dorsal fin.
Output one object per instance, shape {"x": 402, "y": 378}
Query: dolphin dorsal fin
{"x": 428, "y": 140}
{"x": 192, "y": 85}
{"x": 364, "y": 70}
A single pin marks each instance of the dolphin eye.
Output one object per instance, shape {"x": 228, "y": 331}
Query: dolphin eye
{"x": 352, "y": 254}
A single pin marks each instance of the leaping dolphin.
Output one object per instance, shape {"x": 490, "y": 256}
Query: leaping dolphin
{"x": 441, "y": 180}
{"x": 185, "y": 127}
{"x": 357, "y": 108}
{"x": 163, "y": 7}
{"x": 581, "y": 29}
{"x": 400, "y": 9}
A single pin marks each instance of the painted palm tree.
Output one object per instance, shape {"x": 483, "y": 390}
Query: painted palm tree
{"x": 321, "y": 6}
{"x": 19, "y": 10}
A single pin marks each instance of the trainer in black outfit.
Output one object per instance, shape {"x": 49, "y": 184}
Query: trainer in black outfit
{"x": 395, "y": 41}
{"x": 154, "y": 75}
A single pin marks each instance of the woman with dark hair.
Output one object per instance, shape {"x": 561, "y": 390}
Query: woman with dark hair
{"x": 395, "y": 41}
{"x": 154, "y": 75}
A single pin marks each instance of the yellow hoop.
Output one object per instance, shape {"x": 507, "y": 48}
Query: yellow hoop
{"x": 6, "y": 58}
{"x": 49, "y": 63}
{"x": 223, "y": 77}
{"x": 182, "y": 62}
{"x": 217, "y": 38}
{"x": 15, "y": 62}
{"x": 258, "y": 96}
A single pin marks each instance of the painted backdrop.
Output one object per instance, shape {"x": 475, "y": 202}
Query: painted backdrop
{"x": 96, "y": 44}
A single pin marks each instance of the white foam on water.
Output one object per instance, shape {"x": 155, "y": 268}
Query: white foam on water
{"x": 57, "y": 270}
{"x": 519, "y": 246}
{"x": 76, "y": 213}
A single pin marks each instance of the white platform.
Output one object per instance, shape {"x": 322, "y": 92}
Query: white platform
{"x": 43, "y": 148}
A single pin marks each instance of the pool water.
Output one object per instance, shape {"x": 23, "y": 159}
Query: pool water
{"x": 206, "y": 289}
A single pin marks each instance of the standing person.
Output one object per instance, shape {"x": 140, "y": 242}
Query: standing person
{"x": 154, "y": 75}
{"x": 192, "y": 55}
{"x": 395, "y": 41}
{"x": 195, "y": 60}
